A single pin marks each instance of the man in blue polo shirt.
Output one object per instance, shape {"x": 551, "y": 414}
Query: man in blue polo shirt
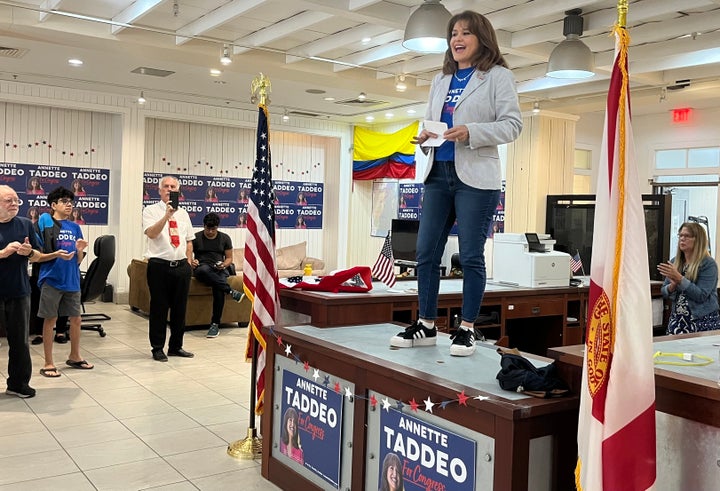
{"x": 59, "y": 280}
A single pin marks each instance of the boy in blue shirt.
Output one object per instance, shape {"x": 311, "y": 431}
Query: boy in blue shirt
{"x": 59, "y": 280}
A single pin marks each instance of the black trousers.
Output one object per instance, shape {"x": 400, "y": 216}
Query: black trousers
{"x": 169, "y": 283}
{"x": 217, "y": 279}
{"x": 15, "y": 316}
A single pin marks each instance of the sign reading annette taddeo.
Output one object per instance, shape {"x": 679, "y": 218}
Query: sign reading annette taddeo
{"x": 297, "y": 204}
{"x": 423, "y": 456}
{"x": 311, "y": 426}
{"x": 33, "y": 182}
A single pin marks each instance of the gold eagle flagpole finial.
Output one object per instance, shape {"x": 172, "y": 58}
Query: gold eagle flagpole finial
{"x": 622, "y": 8}
{"x": 260, "y": 89}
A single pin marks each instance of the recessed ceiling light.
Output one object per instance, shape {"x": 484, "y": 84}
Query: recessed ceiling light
{"x": 369, "y": 118}
{"x": 389, "y": 115}
{"x": 215, "y": 72}
{"x": 365, "y": 40}
{"x": 411, "y": 111}
{"x": 75, "y": 62}
{"x": 330, "y": 99}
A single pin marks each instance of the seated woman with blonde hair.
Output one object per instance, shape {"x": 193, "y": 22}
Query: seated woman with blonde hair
{"x": 691, "y": 279}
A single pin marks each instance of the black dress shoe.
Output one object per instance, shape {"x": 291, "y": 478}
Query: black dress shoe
{"x": 158, "y": 355}
{"x": 180, "y": 352}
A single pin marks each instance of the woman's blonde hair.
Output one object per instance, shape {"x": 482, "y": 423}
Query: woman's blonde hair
{"x": 699, "y": 250}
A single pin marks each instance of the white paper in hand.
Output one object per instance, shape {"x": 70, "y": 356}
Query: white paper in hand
{"x": 437, "y": 127}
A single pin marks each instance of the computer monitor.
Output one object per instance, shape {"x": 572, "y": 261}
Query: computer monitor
{"x": 403, "y": 236}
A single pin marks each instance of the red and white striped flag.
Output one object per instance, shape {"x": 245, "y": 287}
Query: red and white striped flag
{"x": 616, "y": 432}
{"x": 260, "y": 280}
{"x": 384, "y": 268}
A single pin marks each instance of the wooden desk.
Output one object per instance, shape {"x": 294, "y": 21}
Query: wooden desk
{"x": 687, "y": 402}
{"x": 530, "y": 440}
{"x": 560, "y": 311}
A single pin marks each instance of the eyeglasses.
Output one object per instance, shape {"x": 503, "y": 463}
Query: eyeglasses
{"x": 10, "y": 201}
{"x": 65, "y": 201}
{"x": 685, "y": 236}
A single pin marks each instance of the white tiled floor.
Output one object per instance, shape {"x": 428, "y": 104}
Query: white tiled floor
{"x": 131, "y": 423}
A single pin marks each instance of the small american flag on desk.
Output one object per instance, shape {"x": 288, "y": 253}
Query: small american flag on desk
{"x": 576, "y": 263}
{"x": 384, "y": 269}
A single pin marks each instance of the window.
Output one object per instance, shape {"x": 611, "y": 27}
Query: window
{"x": 582, "y": 170}
{"x": 691, "y": 176}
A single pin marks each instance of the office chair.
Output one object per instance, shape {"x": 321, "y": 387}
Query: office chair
{"x": 92, "y": 283}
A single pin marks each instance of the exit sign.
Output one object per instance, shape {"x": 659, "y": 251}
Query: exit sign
{"x": 681, "y": 115}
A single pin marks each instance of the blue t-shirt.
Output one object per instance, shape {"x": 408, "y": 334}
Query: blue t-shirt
{"x": 460, "y": 79}
{"x": 14, "y": 280}
{"x": 61, "y": 274}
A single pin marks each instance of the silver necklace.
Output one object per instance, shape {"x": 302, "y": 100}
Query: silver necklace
{"x": 464, "y": 78}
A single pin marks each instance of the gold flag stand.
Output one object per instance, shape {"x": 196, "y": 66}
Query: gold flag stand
{"x": 250, "y": 447}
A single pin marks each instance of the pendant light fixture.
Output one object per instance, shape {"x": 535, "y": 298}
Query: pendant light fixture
{"x": 425, "y": 31}
{"x": 571, "y": 58}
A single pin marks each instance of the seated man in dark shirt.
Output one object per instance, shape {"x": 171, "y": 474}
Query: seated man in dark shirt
{"x": 212, "y": 251}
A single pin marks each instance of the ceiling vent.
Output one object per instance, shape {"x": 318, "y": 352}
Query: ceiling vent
{"x": 154, "y": 72}
{"x": 303, "y": 114}
{"x": 360, "y": 102}
{"x": 6, "y": 52}
{"x": 679, "y": 84}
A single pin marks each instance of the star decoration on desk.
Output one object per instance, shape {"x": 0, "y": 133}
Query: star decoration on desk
{"x": 386, "y": 404}
{"x": 428, "y": 405}
{"x": 462, "y": 398}
{"x": 413, "y": 405}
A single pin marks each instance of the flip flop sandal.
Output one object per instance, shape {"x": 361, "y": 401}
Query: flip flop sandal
{"x": 82, "y": 364}
{"x": 50, "y": 372}
{"x": 37, "y": 340}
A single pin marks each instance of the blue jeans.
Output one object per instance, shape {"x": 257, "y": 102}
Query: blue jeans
{"x": 447, "y": 198}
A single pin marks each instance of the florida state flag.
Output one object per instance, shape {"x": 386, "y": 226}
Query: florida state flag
{"x": 616, "y": 432}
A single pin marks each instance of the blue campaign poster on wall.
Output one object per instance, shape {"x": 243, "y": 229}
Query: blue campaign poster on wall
{"x": 33, "y": 182}
{"x": 297, "y": 204}
{"x": 410, "y": 201}
{"x": 417, "y": 455}
{"x": 311, "y": 425}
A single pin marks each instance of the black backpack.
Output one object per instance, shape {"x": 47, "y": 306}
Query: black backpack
{"x": 519, "y": 375}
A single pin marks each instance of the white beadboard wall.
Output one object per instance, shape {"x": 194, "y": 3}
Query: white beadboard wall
{"x": 129, "y": 139}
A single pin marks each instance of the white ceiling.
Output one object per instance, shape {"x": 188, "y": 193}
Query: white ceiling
{"x": 317, "y": 45}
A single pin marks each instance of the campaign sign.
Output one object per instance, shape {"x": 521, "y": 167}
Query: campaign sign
{"x": 32, "y": 183}
{"x": 498, "y": 222}
{"x": 417, "y": 455}
{"x": 309, "y": 216}
{"x": 311, "y": 426}
{"x": 229, "y": 196}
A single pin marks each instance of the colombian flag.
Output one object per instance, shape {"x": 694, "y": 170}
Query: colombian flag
{"x": 377, "y": 155}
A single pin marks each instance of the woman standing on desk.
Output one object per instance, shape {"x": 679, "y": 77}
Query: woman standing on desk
{"x": 691, "y": 283}
{"x": 475, "y": 96}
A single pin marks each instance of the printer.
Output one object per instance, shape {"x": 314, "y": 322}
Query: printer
{"x": 528, "y": 260}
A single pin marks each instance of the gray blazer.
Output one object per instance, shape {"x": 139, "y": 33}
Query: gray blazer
{"x": 489, "y": 108}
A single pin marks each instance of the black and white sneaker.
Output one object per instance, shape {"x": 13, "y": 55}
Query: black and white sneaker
{"x": 22, "y": 392}
{"x": 463, "y": 342}
{"x": 414, "y": 335}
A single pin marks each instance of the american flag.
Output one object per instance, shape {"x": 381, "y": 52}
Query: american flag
{"x": 384, "y": 269}
{"x": 260, "y": 281}
{"x": 576, "y": 263}
{"x": 616, "y": 426}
